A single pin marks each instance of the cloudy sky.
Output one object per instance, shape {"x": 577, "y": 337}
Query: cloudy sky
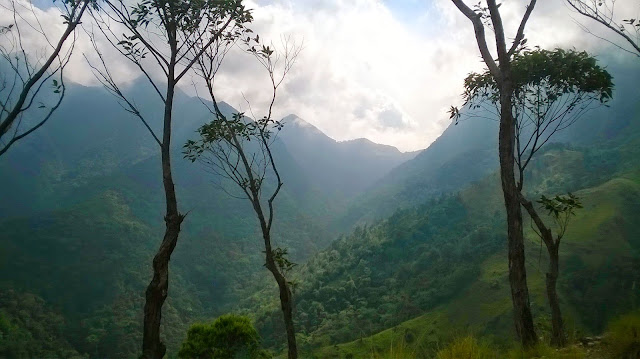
{"x": 385, "y": 70}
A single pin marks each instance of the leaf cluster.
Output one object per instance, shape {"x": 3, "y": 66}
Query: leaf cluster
{"x": 560, "y": 205}
{"x": 221, "y": 129}
{"x": 187, "y": 15}
{"x": 280, "y": 257}
{"x": 559, "y": 71}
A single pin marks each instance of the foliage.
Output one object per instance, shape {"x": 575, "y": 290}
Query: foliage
{"x": 227, "y": 337}
{"x": 623, "y": 336}
{"x": 561, "y": 208}
{"x": 381, "y": 275}
{"x": 551, "y": 91}
{"x": 48, "y": 248}
{"x": 560, "y": 205}
{"x": 557, "y": 73}
{"x": 30, "y": 329}
{"x": 468, "y": 348}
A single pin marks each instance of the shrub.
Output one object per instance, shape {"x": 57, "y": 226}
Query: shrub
{"x": 623, "y": 337}
{"x": 467, "y": 348}
{"x": 228, "y": 337}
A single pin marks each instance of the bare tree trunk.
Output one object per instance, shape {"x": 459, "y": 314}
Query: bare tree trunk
{"x": 156, "y": 294}
{"x": 558, "y": 338}
{"x": 286, "y": 304}
{"x": 523, "y": 319}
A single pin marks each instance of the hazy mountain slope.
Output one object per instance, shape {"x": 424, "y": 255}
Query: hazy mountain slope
{"x": 340, "y": 170}
{"x": 467, "y": 152}
{"x": 462, "y": 154}
{"x": 446, "y": 257}
{"x": 81, "y": 216}
{"x": 30, "y": 329}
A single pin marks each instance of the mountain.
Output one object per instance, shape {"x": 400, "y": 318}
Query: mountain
{"x": 427, "y": 273}
{"x": 467, "y": 152}
{"x": 426, "y": 260}
{"x": 462, "y": 154}
{"x": 81, "y": 216}
{"x": 340, "y": 170}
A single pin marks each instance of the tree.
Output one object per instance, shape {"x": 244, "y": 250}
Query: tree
{"x": 551, "y": 91}
{"x": 225, "y": 338}
{"x": 239, "y": 149}
{"x": 502, "y": 74}
{"x": 604, "y": 13}
{"x": 560, "y": 209}
{"x": 159, "y": 41}
{"x": 24, "y": 77}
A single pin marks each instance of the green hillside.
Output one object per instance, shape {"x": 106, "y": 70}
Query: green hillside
{"x": 600, "y": 269}
{"x": 421, "y": 258}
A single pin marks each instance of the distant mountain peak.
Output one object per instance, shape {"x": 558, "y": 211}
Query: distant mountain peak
{"x": 292, "y": 122}
{"x": 294, "y": 119}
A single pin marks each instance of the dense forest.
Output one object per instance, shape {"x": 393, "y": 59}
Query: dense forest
{"x": 142, "y": 216}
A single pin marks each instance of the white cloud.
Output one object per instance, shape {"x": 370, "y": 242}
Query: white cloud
{"x": 370, "y": 68}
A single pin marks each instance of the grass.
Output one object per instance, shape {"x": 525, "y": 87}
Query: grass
{"x": 466, "y": 348}
{"x": 419, "y": 335}
{"x": 543, "y": 350}
{"x": 623, "y": 337}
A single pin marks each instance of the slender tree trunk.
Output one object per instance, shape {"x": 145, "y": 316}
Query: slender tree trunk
{"x": 523, "y": 319}
{"x": 286, "y": 301}
{"x": 286, "y": 304}
{"x": 558, "y": 338}
{"x": 156, "y": 294}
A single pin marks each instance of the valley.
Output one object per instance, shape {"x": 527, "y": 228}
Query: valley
{"x": 432, "y": 252}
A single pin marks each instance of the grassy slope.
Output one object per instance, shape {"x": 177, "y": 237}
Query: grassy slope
{"x": 604, "y": 231}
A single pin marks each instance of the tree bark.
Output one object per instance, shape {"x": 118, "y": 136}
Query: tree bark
{"x": 156, "y": 294}
{"x": 286, "y": 304}
{"x": 523, "y": 319}
{"x": 558, "y": 338}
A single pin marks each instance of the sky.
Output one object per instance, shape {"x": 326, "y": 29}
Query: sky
{"x": 386, "y": 70}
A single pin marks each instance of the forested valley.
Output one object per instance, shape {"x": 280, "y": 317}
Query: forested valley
{"x": 153, "y": 215}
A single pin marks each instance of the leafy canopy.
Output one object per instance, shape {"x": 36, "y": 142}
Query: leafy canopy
{"x": 227, "y": 337}
{"x": 558, "y": 71}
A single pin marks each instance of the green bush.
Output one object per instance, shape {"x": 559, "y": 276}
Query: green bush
{"x": 623, "y": 337}
{"x": 228, "y": 337}
{"x": 467, "y": 348}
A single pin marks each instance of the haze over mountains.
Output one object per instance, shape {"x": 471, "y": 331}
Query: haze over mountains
{"x": 81, "y": 214}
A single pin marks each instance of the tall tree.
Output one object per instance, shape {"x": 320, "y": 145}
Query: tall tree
{"x": 502, "y": 74}
{"x": 551, "y": 91}
{"x": 25, "y": 74}
{"x": 159, "y": 40}
{"x": 603, "y": 12}
{"x": 240, "y": 150}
